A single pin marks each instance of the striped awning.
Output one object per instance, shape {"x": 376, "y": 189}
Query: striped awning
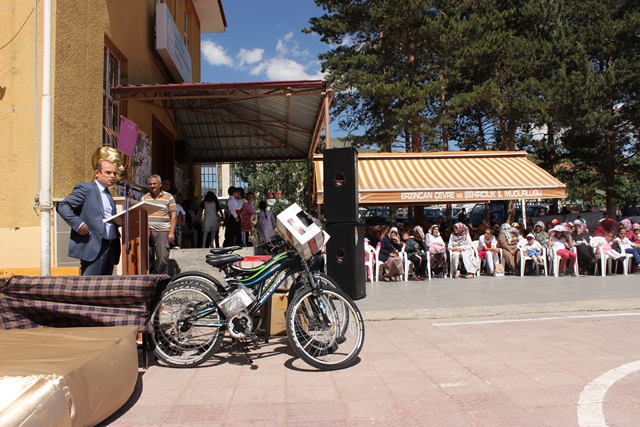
{"x": 446, "y": 177}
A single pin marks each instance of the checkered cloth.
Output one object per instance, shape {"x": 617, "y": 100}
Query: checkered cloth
{"x": 64, "y": 302}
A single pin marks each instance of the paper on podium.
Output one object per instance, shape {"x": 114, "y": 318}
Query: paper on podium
{"x": 118, "y": 218}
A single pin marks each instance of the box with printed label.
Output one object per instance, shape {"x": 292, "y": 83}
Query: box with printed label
{"x": 298, "y": 228}
{"x": 278, "y": 310}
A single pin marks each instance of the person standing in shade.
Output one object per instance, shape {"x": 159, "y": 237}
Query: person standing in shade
{"x": 233, "y": 236}
{"x": 95, "y": 243}
{"x": 266, "y": 223}
{"x": 162, "y": 223}
{"x": 462, "y": 216}
{"x": 209, "y": 209}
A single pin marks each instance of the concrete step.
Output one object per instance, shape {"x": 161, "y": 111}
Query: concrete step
{"x": 182, "y": 260}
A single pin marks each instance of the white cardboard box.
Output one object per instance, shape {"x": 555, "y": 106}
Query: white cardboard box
{"x": 296, "y": 226}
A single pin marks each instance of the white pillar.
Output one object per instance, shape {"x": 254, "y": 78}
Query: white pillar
{"x": 45, "y": 148}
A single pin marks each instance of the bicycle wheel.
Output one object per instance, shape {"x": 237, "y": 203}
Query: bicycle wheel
{"x": 187, "y": 325}
{"x": 198, "y": 276}
{"x": 326, "y": 330}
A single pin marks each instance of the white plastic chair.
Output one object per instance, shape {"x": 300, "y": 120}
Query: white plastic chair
{"x": 452, "y": 272}
{"x": 476, "y": 244}
{"x": 595, "y": 242}
{"x": 524, "y": 258}
{"x": 378, "y": 262}
{"x": 606, "y": 261}
{"x": 408, "y": 264}
{"x": 369, "y": 262}
{"x": 405, "y": 262}
{"x": 555, "y": 262}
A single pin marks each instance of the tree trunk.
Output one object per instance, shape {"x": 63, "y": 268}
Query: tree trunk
{"x": 551, "y": 148}
{"x": 481, "y": 137}
{"x": 511, "y": 136}
{"x": 443, "y": 116}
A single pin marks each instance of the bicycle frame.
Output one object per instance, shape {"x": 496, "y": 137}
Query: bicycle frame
{"x": 264, "y": 279}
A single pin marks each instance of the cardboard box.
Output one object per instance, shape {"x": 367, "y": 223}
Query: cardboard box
{"x": 278, "y": 310}
{"x": 298, "y": 228}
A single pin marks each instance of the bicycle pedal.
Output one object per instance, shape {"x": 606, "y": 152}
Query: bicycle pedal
{"x": 255, "y": 341}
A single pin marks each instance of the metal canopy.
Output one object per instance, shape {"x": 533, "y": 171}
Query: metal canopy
{"x": 230, "y": 122}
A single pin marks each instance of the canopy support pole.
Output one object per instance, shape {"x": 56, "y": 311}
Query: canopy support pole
{"x": 326, "y": 122}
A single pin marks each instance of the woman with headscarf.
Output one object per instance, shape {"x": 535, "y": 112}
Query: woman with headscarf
{"x": 607, "y": 225}
{"x": 461, "y": 247}
{"x": 390, "y": 247}
{"x": 582, "y": 242}
{"x": 509, "y": 245}
{"x": 437, "y": 251}
{"x": 539, "y": 234}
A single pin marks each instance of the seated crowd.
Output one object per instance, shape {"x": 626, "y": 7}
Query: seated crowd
{"x": 465, "y": 251}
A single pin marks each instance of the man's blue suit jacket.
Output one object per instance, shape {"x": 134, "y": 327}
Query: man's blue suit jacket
{"x": 84, "y": 204}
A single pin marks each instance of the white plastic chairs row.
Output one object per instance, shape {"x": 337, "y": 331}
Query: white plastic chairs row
{"x": 605, "y": 260}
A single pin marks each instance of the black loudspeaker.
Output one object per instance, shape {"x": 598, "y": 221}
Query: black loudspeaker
{"x": 345, "y": 258}
{"x": 341, "y": 185}
{"x": 181, "y": 151}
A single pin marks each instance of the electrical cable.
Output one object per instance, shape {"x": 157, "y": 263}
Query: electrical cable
{"x": 20, "y": 30}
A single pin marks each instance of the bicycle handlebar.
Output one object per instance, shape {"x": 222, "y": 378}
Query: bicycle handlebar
{"x": 273, "y": 241}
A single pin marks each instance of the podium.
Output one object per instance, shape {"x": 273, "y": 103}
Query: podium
{"x": 135, "y": 237}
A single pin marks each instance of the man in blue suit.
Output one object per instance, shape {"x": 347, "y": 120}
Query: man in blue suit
{"x": 95, "y": 243}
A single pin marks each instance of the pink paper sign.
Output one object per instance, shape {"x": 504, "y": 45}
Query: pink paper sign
{"x": 128, "y": 136}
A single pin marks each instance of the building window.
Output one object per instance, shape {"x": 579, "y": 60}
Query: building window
{"x": 114, "y": 75}
{"x": 209, "y": 179}
{"x": 237, "y": 181}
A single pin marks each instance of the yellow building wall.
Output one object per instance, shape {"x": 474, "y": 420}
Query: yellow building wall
{"x": 19, "y": 135}
{"x": 79, "y": 31}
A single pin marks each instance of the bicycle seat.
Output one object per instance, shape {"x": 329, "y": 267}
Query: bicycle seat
{"x": 220, "y": 251}
{"x": 222, "y": 260}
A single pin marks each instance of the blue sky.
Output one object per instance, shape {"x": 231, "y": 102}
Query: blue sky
{"x": 263, "y": 42}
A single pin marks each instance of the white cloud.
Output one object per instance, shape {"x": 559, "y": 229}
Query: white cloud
{"x": 288, "y": 46}
{"x": 215, "y": 54}
{"x": 290, "y": 62}
{"x": 285, "y": 69}
{"x": 281, "y": 46}
{"x": 250, "y": 56}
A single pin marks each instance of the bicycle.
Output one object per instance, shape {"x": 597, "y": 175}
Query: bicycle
{"x": 324, "y": 326}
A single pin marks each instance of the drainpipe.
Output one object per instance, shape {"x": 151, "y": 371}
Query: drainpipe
{"x": 45, "y": 148}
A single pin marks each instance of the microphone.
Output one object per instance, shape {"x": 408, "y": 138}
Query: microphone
{"x": 131, "y": 186}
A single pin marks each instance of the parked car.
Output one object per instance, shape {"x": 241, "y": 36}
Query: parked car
{"x": 496, "y": 209}
{"x": 380, "y": 216}
{"x": 432, "y": 212}
{"x": 531, "y": 211}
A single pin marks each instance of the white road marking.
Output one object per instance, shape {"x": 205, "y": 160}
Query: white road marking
{"x": 590, "y": 403}
{"x": 534, "y": 319}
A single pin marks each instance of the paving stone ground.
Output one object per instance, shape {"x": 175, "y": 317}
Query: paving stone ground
{"x": 481, "y": 352}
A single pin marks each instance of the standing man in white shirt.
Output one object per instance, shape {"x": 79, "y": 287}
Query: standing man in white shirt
{"x": 233, "y": 233}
